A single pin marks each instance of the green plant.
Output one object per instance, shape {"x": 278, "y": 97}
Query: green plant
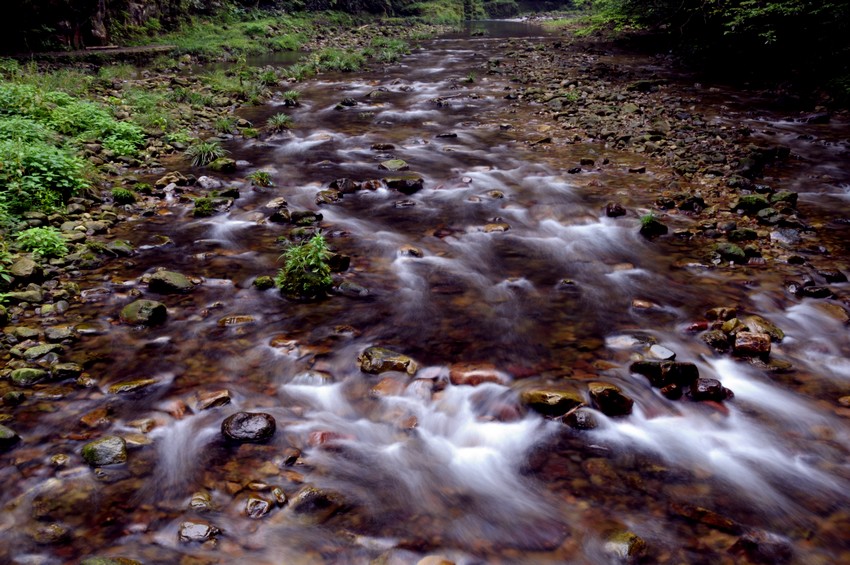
{"x": 290, "y": 97}
{"x": 123, "y": 196}
{"x": 204, "y": 207}
{"x": 333, "y": 59}
{"x": 268, "y": 78}
{"x": 260, "y": 178}
{"x": 250, "y": 133}
{"x": 43, "y": 242}
{"x": 469, "y": 78}
{"x": 224, "y": 124}
{"x": 179, "y": 136}
{"x": 205, "y": 152}
{"x": 279, "y": 122}
{"x": 305, "y": 273}
{"x": 38, "y": 176}
{"x": 647, "y": 219}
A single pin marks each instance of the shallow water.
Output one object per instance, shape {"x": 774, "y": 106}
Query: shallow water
{"x": 427, "y": 467}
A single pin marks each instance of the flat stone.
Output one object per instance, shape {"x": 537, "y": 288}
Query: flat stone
{"x": 59, "y": 333}
{"x": 394, "y": 165}
{"x": 248, "y": 427}
{"x": 126, "y": 387}
{"x": 169, "y": 282}
{"x": 223, "y": 165}
{"x": 376, "y": 360}
{"x": 752, "y": 344}
{"x": 25, "y": 269}
{"x": 661, "y": 352}
{"x": 34, "y": 353}
{"x": 28, "y": 376}
{"x": 214, "y": 399}
{"x": 109, "y": 450}
{"x": 758, "y": 324}
{"x": 28, "y": 296}
{"x": 406, "y": 184}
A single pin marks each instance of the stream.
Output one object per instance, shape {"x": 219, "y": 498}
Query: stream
{"x": 503, "y": 265}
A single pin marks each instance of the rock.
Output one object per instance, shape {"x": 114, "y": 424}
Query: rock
{"x": 752, "y": 344}
{"x": 169, "y": 282}
{"x": 209, "y": 183}
{"x": 376, "y": 360}
{"x": 352, "y": 290}
{"x": 305, "y": 217}
{"x": 263, "y": 282}
{"x": 625, "y": 546}
{"x": 26, "y": 270}
{"x": 202, "y": 501}
{"x": 406, "y": 184}
{"x": 731, "y": 252}
{"x": 223, "y": 165}
{"x": 109, "y": 561}
{"x": 663, "y": 373}
{"x": 14, "y": 398}
{"x": 660, "y": 352}
{"x": 8, "y": 438}
{"x": 716, "y": 339}
{"x": 346, "y": 185}
{"x": 315, "y": 505}
{"x": 651, "y": 227}
{"x": 29, "y": 296}
{"x": 609, "y": 399}
{"x": 256, "y": 507}
{"x": 581, "y": 418}
{"x": 53, "y": 533}
{"x": 172, "y": 178}
{"x": 614, "y": 210}
{"x": 763, "y": 547}
{"x": 811, "y": 292}
{"x": 28, "y": 376}
{"x": 785, "y": 197}
{"x": 120, "y": 248}
{"x": 328, "y": 197}
{"x": 248, "y": 427}
{"x": 496, "y": 227}
{"x": 195, "y": 531}
{"x": 751, "y": 203}
{"x": 59, "y": 333}
{"x": 760, "y": 325}
{"x": 474, "y": 374}
{"x": 708, "y": 389}
{"x": 127, "y": 387}
{"x": 551, "y": 402}
{"x": 214, "y": 399}
{"x": 38, "y": 351}
{"x": 144, "y": 312}
{"x": 109, "y": 450}
{"x": 733, "y": 326}
{"x": 394, "y": 165}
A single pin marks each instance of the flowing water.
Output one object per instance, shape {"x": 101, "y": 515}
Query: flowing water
{"x": 427, "y": 467}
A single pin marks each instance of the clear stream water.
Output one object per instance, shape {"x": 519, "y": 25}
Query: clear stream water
{"x": 427, "y": 467}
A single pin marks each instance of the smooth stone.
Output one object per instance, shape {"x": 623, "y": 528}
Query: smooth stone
{"x": 394, "y": 165}
{"x": 109, "y": 450}
{"x": 223, "y": 165}
{"x": 59, "y": 333}
{"x": 25, "y": 269}
{"x": 716, "y": 339}
{"x": 662, "y": 373}
{"x": 120, "y": 248}
{"x": 28, "y": 376}
{"x": 256, "y": 507}
{"x": 8, "y": 438}
{"x": 214, "y": 399}
{"x": 752, "y": 343}
{"x": 551, "y": 402}
{"x": 376, "y": 360}
{"x": 248, "y": 427}
{"x": 708, "y": 389}
{"x": 759, "y": 325}
{"x": 191, "y": 531}
{"x": 34, "y": 353}
{"x": 28, "y": 296}
{"x": 49, "y": 534}
{"x": 661, "y": 352}
{"x": 609, "y": 399}
{"x": 144, "y": 312}
{"x": 581, "y": 418}
{"x": 625, "y": 546}
{"x": 168, "y": 282}
{"x": 315, "y": 505}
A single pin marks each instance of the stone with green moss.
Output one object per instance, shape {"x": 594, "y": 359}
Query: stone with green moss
{"x": 109, "y": 450}
{"x": 144, "y": 313}
{"x": 28, "y": 376}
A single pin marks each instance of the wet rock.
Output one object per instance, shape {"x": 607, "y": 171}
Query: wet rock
{"x": 28, "y": 376}
{"x": 406, "y": 184}
{"x": 33, "y": 353}
{"x": 660, "y": 352}
{"x": 305, "y": 217}
{"x": 731, "y": 252}
{"x": 248, "y": 427}
{"x": 213, "y": 399}
{"x": 474, "y": 374}
{"x": 169, "y": 282}
{"x": 716, "y": 339}
{"x": 338, "y": 262}
{"x": 352, "y": 290}
{"x": 663, "y": 373}
{"x": 763, "y": 547}
{"x": 256, "y": 507}
{"x": 376, "y": 360}
{"x": 109, "y": 450}
{"x": 195, "y": 531}
{"x": 346, "y": 185}
{"x": 14, "y": 398}
{"x": 109, "y": 561}
{"x": 496, "y": 227}
{"x": 49, "y": 534}
{"x": 551, "y": 402}
{"x": 394, "y": 165}
{"x": 733, "y": 326}
{"x": 128, "y": 387}
{"x": 144, "y": 312}
{"x": 784, "y": 197}
{"x": 209, "y": 183}
{"x": 752, "y": 344}
{"x": 8, "y": 438}
{"x": 832, "y": 275}
{"x": 651, "y": 227}
{"x": 614, "y": 210}
{"x": 29, "y": 296}
{"x": 815, "y": 292}
{"x": 236, "y": 320}
{"x": 609, "y": 399}
{"x": 315, "y": 505}
{"x": 708, "y": 389}
{"x": 705, "y": 516}
{"x": 328, "y": 197}
{"x": 751, "y": 203}
{"x": 201, "y": 501}
{"x": 59, "y": 333}
{"x": 223, "y": 165}
{"x": 760, "y": 325}
{"x": 625, "y": 546}
{"x": 173, "y": 177}
{"x": 581, "y": 418}
{"x": 673, "y": 391}
{"x": 25, "y": 270}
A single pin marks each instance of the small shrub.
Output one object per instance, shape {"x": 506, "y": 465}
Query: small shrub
{"x": 260, "y": 178}
{"x": 43, "y": 242}
{"x": 279, "y": 122}
{"x": 205, "y": 152}
{"x": 38, "y": 176}
{"x": 306, "y": 273}
{"x": 123, "y": 196}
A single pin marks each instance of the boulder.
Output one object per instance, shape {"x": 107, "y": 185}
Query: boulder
{"x": 376, "y": 360}
{"x": 609, "y": 399}
{"x": 109, "y": 450}
{"x": 169, "y": 282}
{"x": 752, "y": 344}
{"x": 248, "y": 427}
{"x": 551, "y": 402}
{"x": 26, "y": 270}
{"x": 8, "y": 438}
{"x": 144, "y": 313}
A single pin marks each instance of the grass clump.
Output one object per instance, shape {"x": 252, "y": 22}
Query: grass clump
{"x": 279, "y": 122}
{"x": 224, "y": 124}
{"x": 290, "y": 98}
{"x": 260, "y": 178}
{"x": 42, "y": 242}
{"x": 333, "y": 59}
{"x": 204, "y": 207}
{"x": 123, "y": 196}
{"x": 205, "y": 152}
{"x": 306, "y": 272}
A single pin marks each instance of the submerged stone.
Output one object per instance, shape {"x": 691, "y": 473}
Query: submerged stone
{"x": 144, "y": 312}
{"x": 248, "y": 427}
{"x": 109, "y": 450}
{"x": 625, "y": 546}
{"x": 8, "y": 438}
{"x": 662, "y": 373}
{"x": 315, "y": 505}
{"x": 125, "y": 387}
{"x": 376, "y": 360}
{"x": 256, "y": 507}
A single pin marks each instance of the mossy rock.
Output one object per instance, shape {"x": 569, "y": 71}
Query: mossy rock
{"x": 731, "y": 252}
{"x": 144, "y": 312}
{"x": 751, "y": 203}
{"x": 28, "y": 376}
{"x": 223, "y": 165}
{"x": 263, "y": 282}
{"x": 394, "y": 165}
{"x": 110, "y": 450}
{"x": 168, "y": 282}
{"x": 8, "y": 438}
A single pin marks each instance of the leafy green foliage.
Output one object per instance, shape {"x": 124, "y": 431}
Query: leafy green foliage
{"x": 279, "y": 122}
{"x": 38, "y": 176}
{"x": 290, "y": 97}
{"x": 333, "y": 59}
{"x": 123, "y": 196}
{"x": 260, "y": 178}
{"x": 306, "y": 273}
{"x": 43, "y": 242}
{"x": 224, "y": 125}
{"x": 204, "y": 207}
{"x": 205, "y": 152}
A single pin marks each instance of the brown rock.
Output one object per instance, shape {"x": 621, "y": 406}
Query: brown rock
{"x": 609, "y": 399}
{"x": 752, "y": 344}
{"x": 551, "y": 402}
